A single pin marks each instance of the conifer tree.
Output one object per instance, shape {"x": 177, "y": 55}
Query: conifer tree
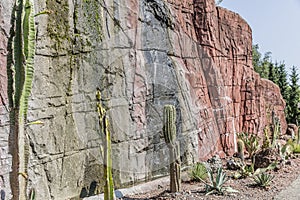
{"x": 218, "y": 2}
{"x": 265, "y": 65}
{"x": 282, "y": 82}
{"x": 260, "y": 65}
{"x": 273, "y": 73}
{"x": 294, "y": 97}
{"x": 256, "y": 58}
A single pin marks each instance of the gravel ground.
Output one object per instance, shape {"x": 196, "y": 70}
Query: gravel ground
{"x": 246, "y": 187}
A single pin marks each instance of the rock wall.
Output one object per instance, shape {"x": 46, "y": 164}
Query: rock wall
{"x": 142, "y": 55}
{"x": 241, "y": 100}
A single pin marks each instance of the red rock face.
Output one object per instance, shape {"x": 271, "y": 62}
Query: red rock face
{"x": 235, "y": 97}
{"x": 247, "y": 99}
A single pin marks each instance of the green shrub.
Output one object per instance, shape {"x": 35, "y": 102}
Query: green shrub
{"x": 296, "y": 148}
{"x": 290, "y": 147}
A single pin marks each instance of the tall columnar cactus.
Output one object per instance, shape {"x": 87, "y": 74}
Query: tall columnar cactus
{"x": 169, "y": 130}
{"x": 241, "y": 146}
{"x": 104, "y": 125}
{"x": 266, "y": 139}
{"x": 276, "y": 129}
{"x": 20, "y": 67}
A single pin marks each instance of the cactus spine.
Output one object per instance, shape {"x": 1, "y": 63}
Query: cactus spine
{"x": 241, "y": 146}
{"x": 169, "y": 130}
{"x": 104, "y": 125}
{"x": 20, "y": 67}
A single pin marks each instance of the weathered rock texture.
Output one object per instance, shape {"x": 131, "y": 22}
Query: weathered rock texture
{"x": 142, "y": 55}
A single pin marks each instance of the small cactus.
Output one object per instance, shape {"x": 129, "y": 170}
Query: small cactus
{"x": 266, "y": 139}
{"x": 276, "y": 129}
{"x": 169, "y": 130}
{"x": 241, "y": 147}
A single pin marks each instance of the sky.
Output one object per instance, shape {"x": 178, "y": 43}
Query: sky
{"x": 275, "y": 26}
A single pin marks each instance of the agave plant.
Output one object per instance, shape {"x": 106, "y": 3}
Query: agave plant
{"x": 245, "y": 171}
{"x": 217, "y": 185}
{"x": 198, "y": 172}
{"x": 251, "y": 143}
{"x": 263, "y": 179}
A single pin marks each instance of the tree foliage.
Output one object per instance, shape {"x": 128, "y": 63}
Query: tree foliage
{"x": 277, "y": 73}
{"x": 294, "y": 97}
{"x": 273, "y": 72}
{"x": 218, "y": 2}
{"x": 261, "y": 65}
{"x": 283, "y": 81}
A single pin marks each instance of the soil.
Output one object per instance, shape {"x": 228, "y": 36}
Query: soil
{"x": 283, "y": 177}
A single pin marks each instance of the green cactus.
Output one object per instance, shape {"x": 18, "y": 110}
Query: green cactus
{"x": 266, "y": 139}
{"x": 169, "y": 124}
{"x": 104, "y": 125}
{"x": 241, "y": 147}
{"x": 169, "y": 130}
{"x": 20, "y": 68}
{"x": 32, "y": 194}
{"x": 251, "y": 143}
{"x": 276, "y": 129}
